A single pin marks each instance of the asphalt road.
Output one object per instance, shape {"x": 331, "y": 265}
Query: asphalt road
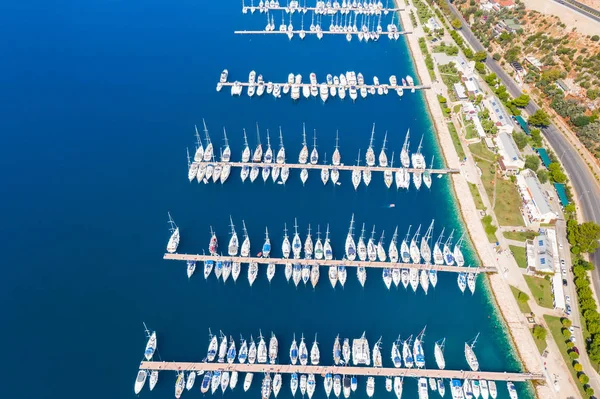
{"x": 586, "y": 187}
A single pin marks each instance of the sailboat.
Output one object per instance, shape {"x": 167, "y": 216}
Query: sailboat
{"x": 327, "y": 246}
{"x": 346, "y": 353}
{"x": 245, "y": 251}
{"x": 303, "y": 158}
{"x": 208, "y": 150}
{"x": 350, "y": 245}
{"x": 179, "y": 384}
{"x": 360, "y": 351}
{"x": 407, "y": 354}
{"x": 415, "y": 254}
{"x": 199, "y": 154}
{"x": 393, "y": 249}
{"x": 333, "y": 275}
{"x": 439, "y": 353}
{"x": 314, "y": 155}
{"x": 371, "y": 248}
{"x": 311, "y": 385}
{"x": 246, "y": 151}
{"x": 493, "y": 390}
{"x": 388, "y": 174}
{"x": 337, "y": 351}
{"x": 266, "y": 249}
{"x": 270, "y": 271}
{"x": 325, "y": 171}
{"x": 319, "y": 245}
{"x": 296, "y": 243}
{"x": 243, "y": 355}
{"x": 423, "y": 390}
{"x": 294, "y": 351}
{"x": 370, "y": 387}
{"x": 383, "y": 161}
{"x": 234, "y": 380}
{"x": 398, "y": 387}
{"x": 336, "y": 158}
{"x": 303, "y": 352}
{"x": 232, "y": 249}
{"x": 308, "y": 245}
{"x": 281, "y": 153}
{"x": 470, "y": 355}
{"x": 192, "y": 167}
{"x": 370, "y": 154}
{"x": 342, "y": 275}
{"x": 276, "y": 384}
{"x": 337, "y": 385}
{"x": 222, "y": 348}
{"x": 252, "y": 351}
{"x": 273, "y": 348}
{"x": 315, "y": 355}
{"x": 231, "y": 352}
{"x": 427, "y": 174}
{"x": 328, "y": 384}
{"x": 441, "y": 388}
{"x": 380, "y": 250}
{"x": 294, "y": 383}
{"x": 377, "y": 358}
{"x": 174, "y": 238}
{"x": 296, "y": 273}
{"x": 153, "y": 379}
{"x": 362, "y": 247}
{"x": 458, "y": 255}
{"x": 261, "y": 355}
{"x": 288, "y": 271}
{"x": 404, "y": 154}
{"x": 258, "y": 152}
{"x": 213, "y": 244}
{"x": 448, "y": 255}
{"x": 356, "y": 175}
{"x": 265, "y": 389}
{"x": 314, "y": 274}
{"x": 285, "y": 246}
{"x": 151, "y": 344}
{"x": 438, "y": 256}
{"x": 425, "y": 249}
{"x": 396, "y": 357}
{"x": 418, "y": 354}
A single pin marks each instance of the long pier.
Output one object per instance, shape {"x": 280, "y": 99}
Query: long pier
{"x": 443, "y": 171}
{"x": 347, "y": 86}
{"x": 347, "y": 370}
{"x": 322, "y": 10}
{"x": 308, "y": 32}
{"x": 333, "y": 262}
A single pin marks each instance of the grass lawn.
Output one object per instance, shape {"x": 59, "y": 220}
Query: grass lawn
{"x": 481, "y": 151}
{"x": 490, "y": 236}
{"x": 508, "y": 203}
{"x": 520, "y": 236}
{"x": 523, "y": 306}
{"x": 471, "y": 133}
{"x": 476, "y": 197}
{"x": 541, "y": 290}
{"x": 456, "y": 141}
{"x": 555, "y": 327}
{"x": 520, "y": 255}
{"x": 540, "y": 343}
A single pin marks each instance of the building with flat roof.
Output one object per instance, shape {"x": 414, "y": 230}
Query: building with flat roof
{"x": 534, "y": 63}
{"x": 459, "y": 89}
{"x": 498, "y": 115}
{"x": 510, "y": 156}
{"x": 536, "y": 207}
{"x": 540, "y": 255}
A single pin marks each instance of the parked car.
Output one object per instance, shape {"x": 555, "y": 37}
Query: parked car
{"x": 568, "y": 310}
{"x": 562, "y": 262}
{"x": 567, "y": 299}
{"x": 576, "y": 350}
{"x": 572, "y": 329}
{"x": 564, "y": 282}
{"x": 573, "y": 339}
{"x": 564, "y": 272}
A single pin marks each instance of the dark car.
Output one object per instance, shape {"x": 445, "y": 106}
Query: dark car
{"x": 564, "y": 282}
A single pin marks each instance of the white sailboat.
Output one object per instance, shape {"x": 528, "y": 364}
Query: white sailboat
{"x": 199, "y": 154}
{"x": 337, "y": 350}
{"x": 303, "y": 352}
{"x": 303, "y": 157}
{"x": 234, "y": 380}
{"x": 232, "y": 248}
{"x": 470, "y": 355}
{"x": 393, "y": 249}
{"x": 325, "y": 171}
{"x": 252, "y": 272}
{"x": 208, "y": 150}
{"x": 371, "y": 247}
{"x": 294, "y": 351}
{"x": 281, "y": 153}
{"x": 273, "y": 348}
{"x": 192, "y": 167}
{"x": 261, "y": 354}
{"x": 314, "y": 155}
{"x": 418, "y": 353}
{"x": 311, "y": 385}
{"x": 243, "y": 355}
{"x": 245, "y": 251}
{"x": 342, "y": 275}
{"x": 319, "y": 245}
{"x": 174, "y": 238}
{"x": 314, "y": 275}
{"x": 346, "y": 353}
{"x": 315, "y": 354}
{"x": 266, "y": 248}
{"x": 179, "y": 384}
{"x": 258, "y": 152}
{"x": 415, "y": 254}
{"x": 285, "y": 246}
{"x": 377, "y": 358}
{"x": 407, "y": 356}
{"x": 271, "y": 271}
{"x": 276, "y": 384}
{"x": 458, "y": 255}
{"x": 252, "y": 351}
{"x": 423, "y": 390}
{"x": 438, "y": 256}
{"x": 190, "y": 380}
{"x": 246, "y": 151}
{"x": 404, "y": 155}
{"x": 383, "y": 161}
{"x": 328, "y": 384}
{"x": 336, "y": 158}
{"x": 370, "y": 153}
{"x": 333, "y": 275}
{"x": 370, "y": 387}
{"x": 398, "y": 387}
{"x": 327, "y": 246}
{"x": 427, "y": 174}
{"x": 288, "y": 271}
{"x": 362, "y": 247}
{"x": 356, "y": 174}
{"x": 296, "y": 243}
{"x": 380, "y": 250}
{"x": 425, "y": 248}
{"x": 150, "y": 344}
{"x": 308, "y": 245}
{"x": 448, "y": 254}
{"x": 350, "y": 245}
{"x": 439, "y": 354}
{"x": 294, "y": 383}
{"x": 222, "y": 348}
{"x": 388, "y": 174}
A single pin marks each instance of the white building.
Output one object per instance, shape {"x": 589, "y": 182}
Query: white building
{"x": 510, "y": 156}
{"x": 536, "y": 208}
{"x": 540, "y": 255}
{"x": 498, "y": 115}
{"x": 459, "y": 89}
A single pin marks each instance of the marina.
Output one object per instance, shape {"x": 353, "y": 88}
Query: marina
{"x": 321, "y": 7}
{"x": 392, "y": 35}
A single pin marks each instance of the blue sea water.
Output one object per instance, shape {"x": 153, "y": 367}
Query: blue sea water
{"x": 100, "y": 100}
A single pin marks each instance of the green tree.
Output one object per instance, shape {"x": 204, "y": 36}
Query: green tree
{"x": 490, "y": 79}
{"x": 543, "y": 175}
{"x": 522, "y": 297}
{"x": 539, "y": 118}
{"x": 536, "y": 137}
{"x": 595, "y": 38}
{"x": 496, "y": 57}
{"x": 589, "y": 391}
{"x": 539, "y": 332}
{"x": 456, "y": 24}
{"x": 520, "y": 140}
{"x": 566, "y": 333}
{"x": 521, "y": 101}
{"x": 566, "y": 322}
{"x": 480, "y": 67}
{"x": 574, "y": 355}
{"x": 480, "y": 56}
{"x": 585, "y": 236}
{"x": 570, "y": 345}
{"x": 532, "y": 162}
{"x": 578, "y": 367}
{"x": 583, "y": 378}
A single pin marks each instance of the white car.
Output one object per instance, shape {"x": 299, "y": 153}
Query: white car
{"x": 573, "y": 339}
{"x": 572, "y": 329}
{"x": 562, "y": 262}
{"x": 568, "y": 299}
{"x": 564, "y": 272}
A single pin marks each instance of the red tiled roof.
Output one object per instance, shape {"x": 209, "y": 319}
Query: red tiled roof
{"x": 504, "y": 3}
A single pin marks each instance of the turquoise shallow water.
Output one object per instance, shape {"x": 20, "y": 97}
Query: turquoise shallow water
{"x": 100, "y": 103}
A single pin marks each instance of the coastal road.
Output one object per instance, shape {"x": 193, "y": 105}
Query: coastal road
{"x": 584, "y": 183}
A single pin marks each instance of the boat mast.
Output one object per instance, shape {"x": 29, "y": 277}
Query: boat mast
{"x": 358, "y": 159}
{"x": 285, "y": 229}
{"x": 232, "y": 226}
{"x": 416, "y": 236}
{"x": 303, "y": 134}
{"x": 225, "y": 137}
{"x": 420, "y": 145}
{"x": 373, "y": 233}
{"x": 188, "y": 156}
{"x": 171, "y": 223}
{"x": 440, "y": 237}
{"x": 405, "y": 146}
{"x": 280, "y": 138}
{"x": 408, "y": 233}
{"x": 258, "y": 134}
{"x": 199, "y": 143}
{"x": 372, "y": 136}
{"x": 384, "y": 141}
{"x": 206, "y": 132}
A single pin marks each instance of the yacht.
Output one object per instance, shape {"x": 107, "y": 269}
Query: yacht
{"x": 325, "y": 172}
{"x": 467, "y": 389}
{"x": 333, "y": 275}
{"x": 337, "y": 351}
{"x": 438, "y": 256}
{"x": 234, "y": 380}
{"x": 140, "y": 380}
{"x": 439, "y": 354}
{"x": 396, "y": 355}
{"x": 315, "y": 355}
{"x": 471, "y": 282}
{"x": 361, "y": 273}
{"x": 294, "y": 351}
{"x": 261, "y": 86}
{"x": 206, "y": 382}
{"x": 276, "y": 384}
{"x": 333, "y": 83}
{"x": 492, "y": 387}
{"x": 294, "y": 383}
{"x": 418, "y": 354}
{"x": 425, "y": 248}
{"x": 232, "y": 249}
{"x": 266, "y": 387}
{"x": 362, "y": 247}
{"x": 393, "y": 249}
{"x": 380, "y": 250}
{"x": 314, "y": 90}
{"x": 441, "y": 388}
{"x": 462, "y": 281}
{"x": 398, "y": 387}
{"x": 328, "y": 384}
{"x": 308, "y": 245}
{"x": 415, "y": 254}
{"x": 350, "y": 245}
{"x": 179, "y": 384}
{"x": 303, "y": 352}
{"x": 371, "y": 247}
{"x": 226, "y": 270}
{"x": 337, "y": 385}
{"x": 346, "y": 351}
{"x": 377, "y": 358}
{"x": 424, "y": 276}
{"x": 252, "y": 273}
{"x": 231, "y": 352}
{"x": 470, "y": 355}
{"x": 174, "y": 238}
{"x": 456, "y": 389}
{"x": 192, "y": 168}
{"x": 324, "y": 92}
{"x": 388, "y": 384}
{"x": 303, "y": 384}
{"x": 222, "y": 348}
{"x": 342, "y": 275}
{"x": 376, "y": 85}
{"x": 458, "y": 255}
{"x": 387, "y": 277}
{"x": 346, "y": 386}
{"x": 370, "y": 387}
{"x": 151, "y": 344}
{"x": 245, "y": 251}
{"x": 448, "y": 254}
{"x": 485, "y": 392}
{"x": 296, "y": 273}
{"x": 351, "y": 77}
{"x": 319, "y": 246}
{"x": 288, "y": 271}
{"x": 190, "y": 380}
{"x": 360, "y": 351}
{"x": 423, "y": 390}
{"x": 273, "y": 348}
{"x": 361, "y": 84}
{"x": 476, "y": 388}
{"x": 222, "y": 79}
{"x": 305, "y": 273}
{"x": 296, "y": 87}
{"x": 414, "y": 279}
{"x": 402, "y": 179}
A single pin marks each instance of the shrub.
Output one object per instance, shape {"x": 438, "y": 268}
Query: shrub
{"x": 566, "y": 322}
{"x": 583, "y": 378}
{"x": 539, "y": 332}
{"x": 578, "y": 367}
{"x": 574, "y": 355}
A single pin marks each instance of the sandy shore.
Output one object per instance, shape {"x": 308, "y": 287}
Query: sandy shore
{"x": 507, "y": 304}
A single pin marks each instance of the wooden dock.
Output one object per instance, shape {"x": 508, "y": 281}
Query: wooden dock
{"x": 309, "y": 166}
{"x": 323, "y": 262}
{"x": 347, "y": 86}
{"x": 345, "y": 370}
{"x": 323, "y": 10}
{"x": 309, "y": 32}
